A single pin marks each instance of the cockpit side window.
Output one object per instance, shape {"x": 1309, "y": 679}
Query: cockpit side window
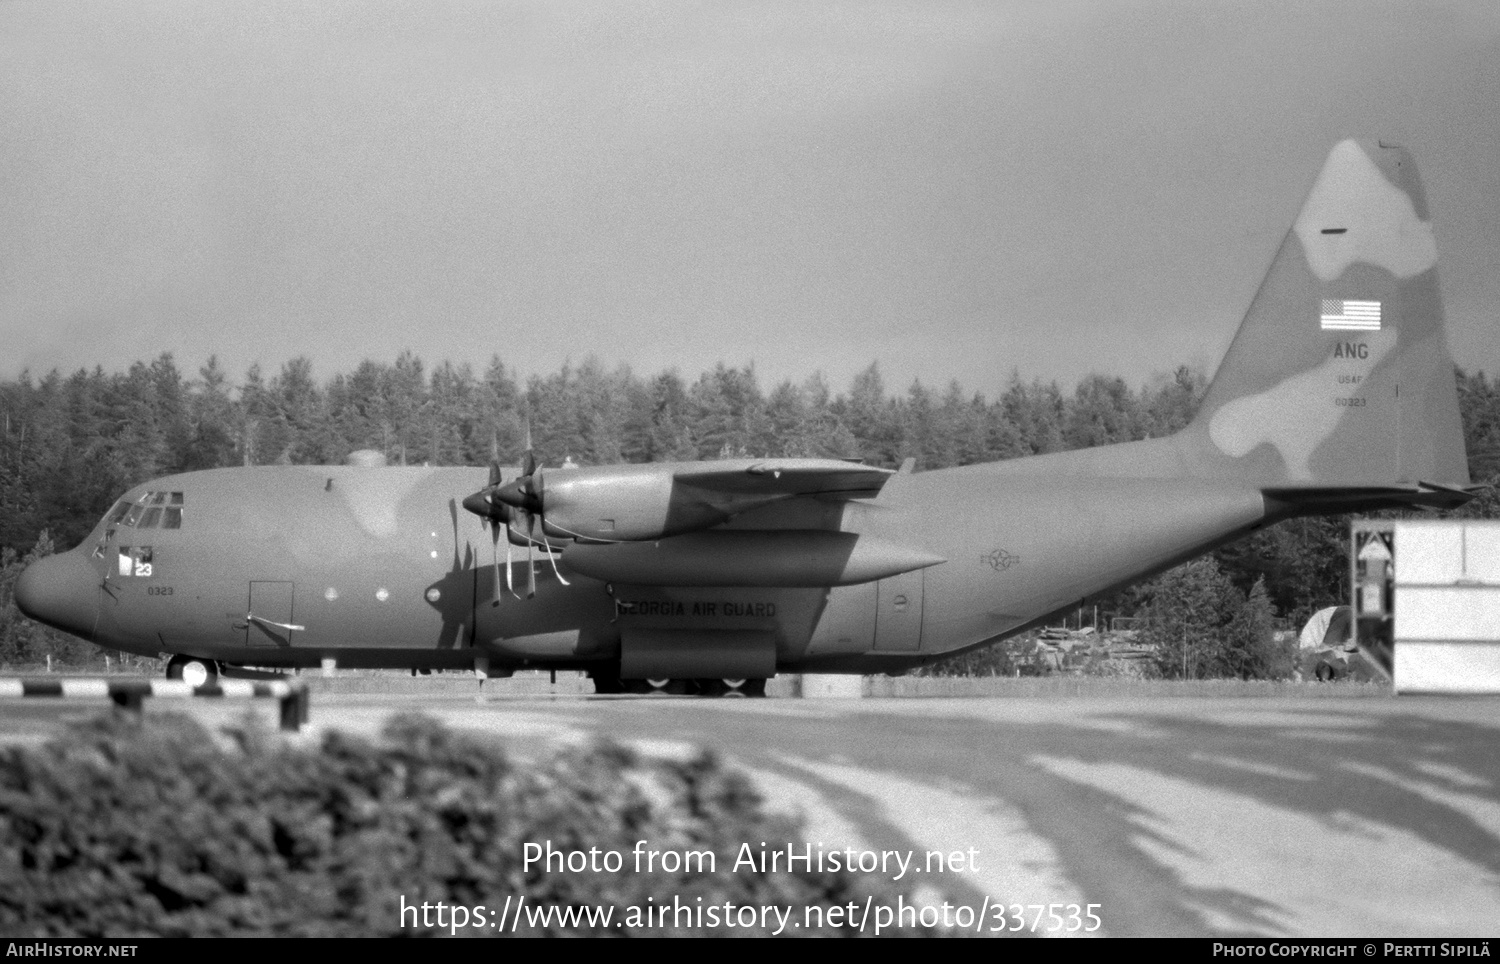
{"x": 111, "y": 520}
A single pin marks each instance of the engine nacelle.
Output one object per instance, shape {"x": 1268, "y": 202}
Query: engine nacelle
{"x": 628, "y": 503}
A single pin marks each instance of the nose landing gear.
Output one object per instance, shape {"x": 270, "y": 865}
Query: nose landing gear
{"x": 193, "y": 670}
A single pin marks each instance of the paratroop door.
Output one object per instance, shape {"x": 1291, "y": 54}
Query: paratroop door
{"x": 898, "y": 614}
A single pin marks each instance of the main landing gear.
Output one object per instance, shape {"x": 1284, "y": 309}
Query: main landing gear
{"x": 731, "y": 687}
{"x": 193, "y": 670}
{"x": 610, "y": 685}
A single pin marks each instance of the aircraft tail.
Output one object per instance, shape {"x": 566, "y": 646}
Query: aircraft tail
{"x": 1340, "y": 377}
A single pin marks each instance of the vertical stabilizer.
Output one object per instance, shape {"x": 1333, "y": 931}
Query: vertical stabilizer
{"x": 1340, "y": 375}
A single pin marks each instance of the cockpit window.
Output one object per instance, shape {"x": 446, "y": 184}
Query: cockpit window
{"x": 150, "y": 511}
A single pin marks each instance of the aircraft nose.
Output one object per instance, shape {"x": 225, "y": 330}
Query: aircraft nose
{"x": 60, "y": 591}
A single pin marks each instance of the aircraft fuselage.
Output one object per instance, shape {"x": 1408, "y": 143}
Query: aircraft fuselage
{"x": 290, "y": 566}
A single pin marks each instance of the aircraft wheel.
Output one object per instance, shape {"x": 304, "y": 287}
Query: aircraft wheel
{"x": 733, "y": 687}
{"x": 607, "y": 685}
{"x": 710, "y": 687}
{"x": 1325, "y": 672}
{"x": 647, "y": 687}
{"x": 193, "y": 670}
{"x": 754, "y": 688}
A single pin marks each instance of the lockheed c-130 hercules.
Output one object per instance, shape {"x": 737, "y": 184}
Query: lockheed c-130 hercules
{"x": 1337, "y": 395}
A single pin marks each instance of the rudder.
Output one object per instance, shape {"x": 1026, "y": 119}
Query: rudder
{"x": 1340, "y": 374}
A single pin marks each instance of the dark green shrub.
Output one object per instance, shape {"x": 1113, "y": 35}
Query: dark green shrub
{"x": 158, "y": 827}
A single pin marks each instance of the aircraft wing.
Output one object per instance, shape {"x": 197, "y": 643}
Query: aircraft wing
{"x": 631, "y": 503}
{"x": 831, "y": 478}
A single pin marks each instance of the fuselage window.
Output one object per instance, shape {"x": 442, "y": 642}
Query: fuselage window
{"x": 135, "y": 514}
{"x": 158, "y": 498}
{"x": 109, "y": 533}
{"x": 172, "y": 517}
{"x": 151, "y": 519}
{"x": 136, "y": 561}
{"x": 118, "y": 512}
{"x": 177, "y": 498}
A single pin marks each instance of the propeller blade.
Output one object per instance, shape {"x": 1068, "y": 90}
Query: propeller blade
{"x": 530, "y": 568}
{"x": 553, "y": 559}
{"x": 509, "y": 578}
{"x": 529, "y": 466}
{"x": 495, "y": 554}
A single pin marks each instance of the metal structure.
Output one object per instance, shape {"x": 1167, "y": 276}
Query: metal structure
{"x": 131, "y": 694}
{"x": 1439, "y": 592}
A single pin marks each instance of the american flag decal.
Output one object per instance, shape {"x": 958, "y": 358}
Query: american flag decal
{"x": 1341, "y": 315}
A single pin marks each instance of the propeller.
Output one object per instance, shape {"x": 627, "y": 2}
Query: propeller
{"x": 524, "y": 496}
{"x": 493, "y": 512}
{"x": 522, "y": 492}
{"x": 504, "y": 502}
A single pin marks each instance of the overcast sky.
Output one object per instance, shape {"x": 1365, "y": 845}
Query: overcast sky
{"x": 950, "y": 189}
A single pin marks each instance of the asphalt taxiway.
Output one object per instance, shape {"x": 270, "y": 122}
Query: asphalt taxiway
{"x": 1185, "y": 816}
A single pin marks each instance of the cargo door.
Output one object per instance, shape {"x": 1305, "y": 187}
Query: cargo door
{"x": 269, "y": 619}
{"x": 898, "y": 613}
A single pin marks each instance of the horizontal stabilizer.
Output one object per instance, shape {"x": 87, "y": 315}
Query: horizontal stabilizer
{"x": 1426, "y": 495}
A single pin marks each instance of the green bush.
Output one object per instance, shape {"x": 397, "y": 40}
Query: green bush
{"x": 1205, "y": 628}
{"x": 996, "y": 659}
{"x": 158, "y": 827}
